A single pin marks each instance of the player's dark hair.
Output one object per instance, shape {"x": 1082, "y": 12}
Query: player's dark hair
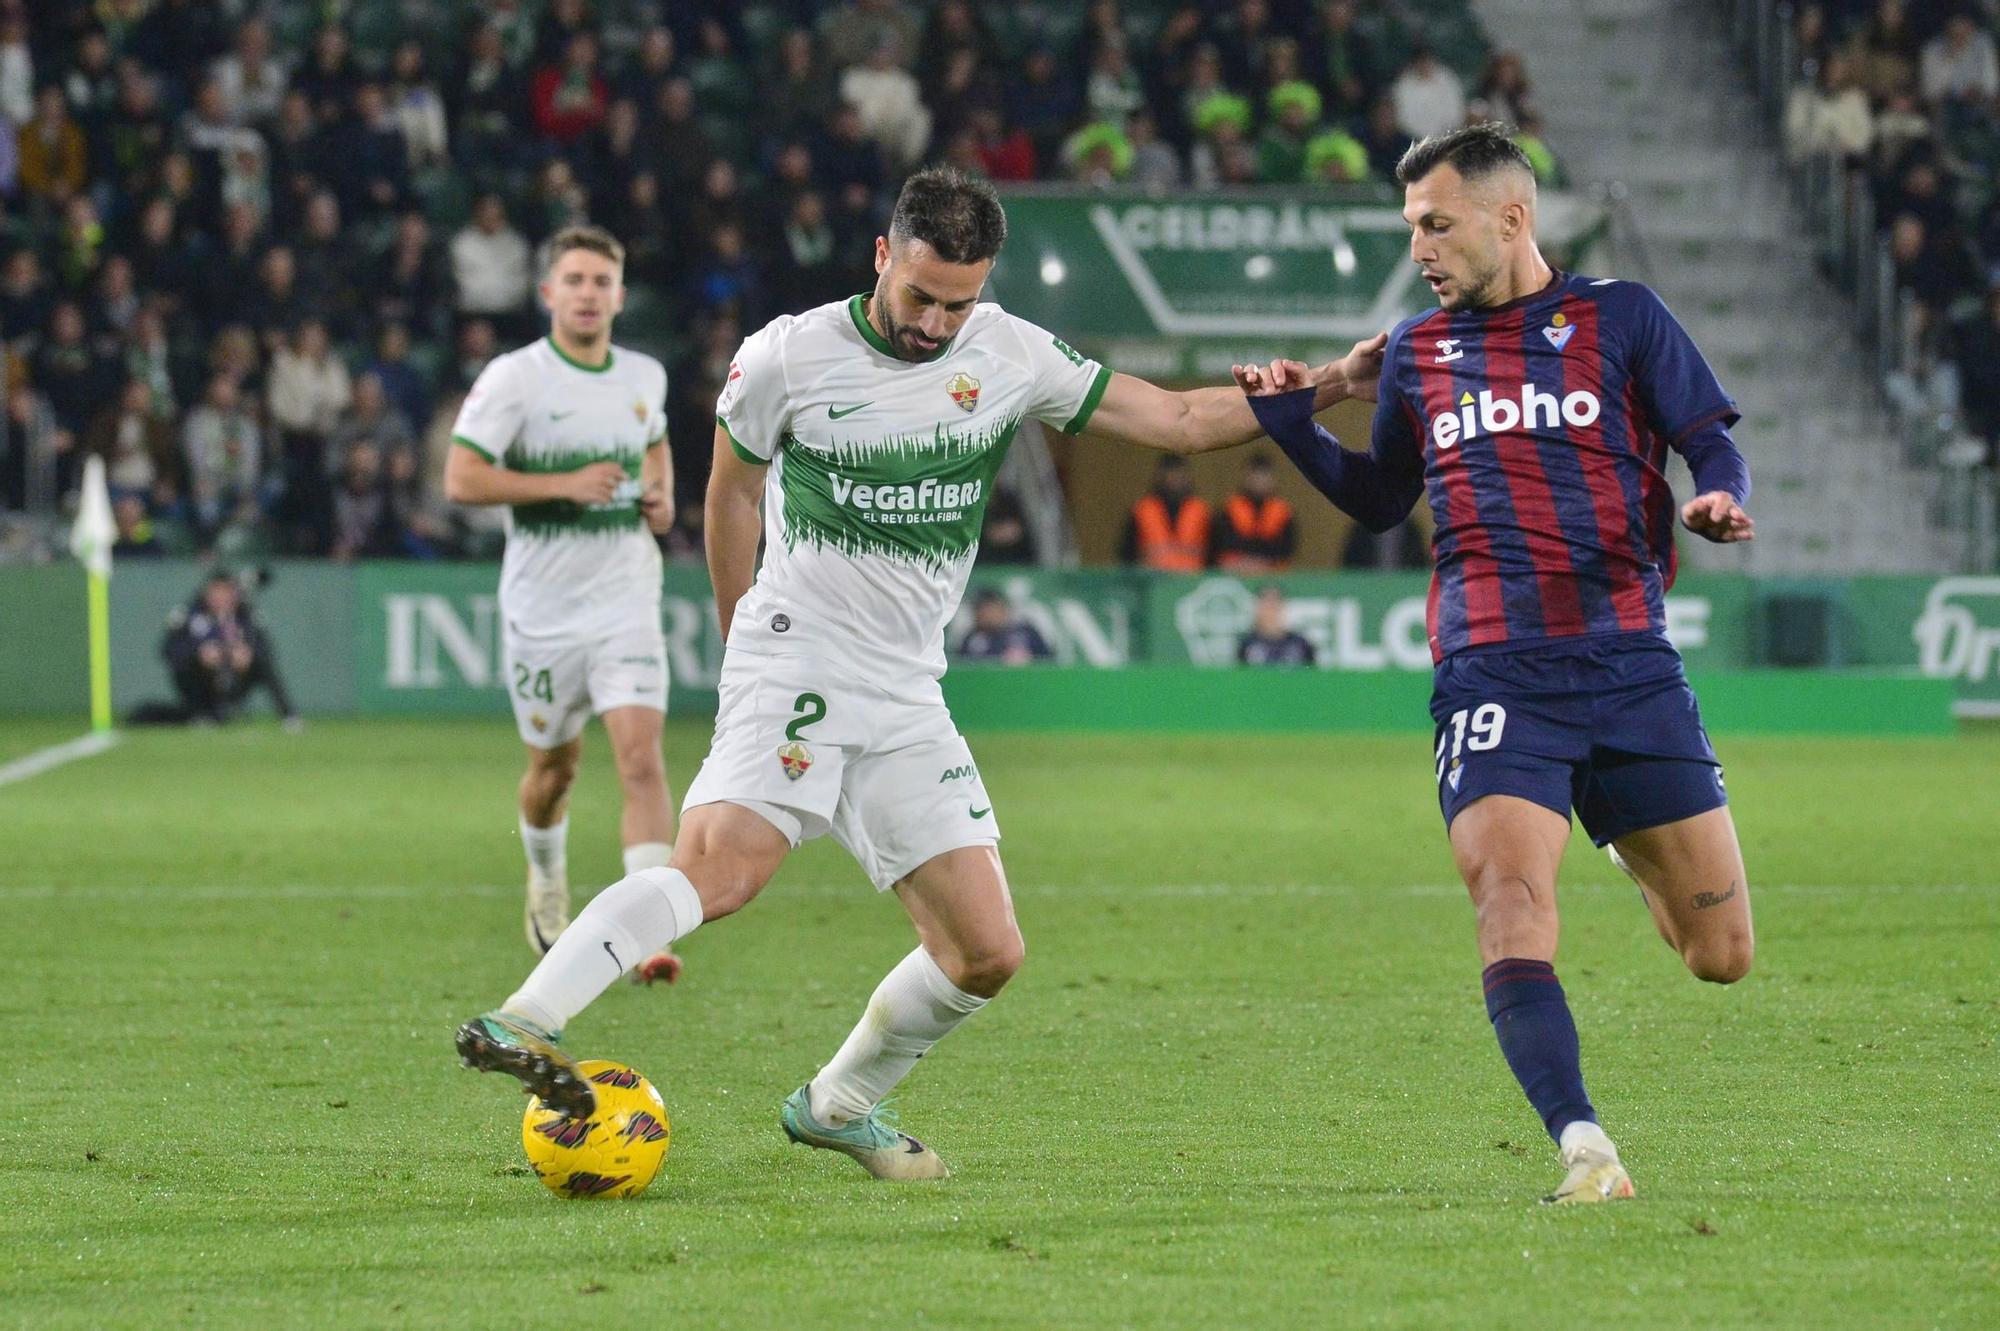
{"x": 1475, "y": 152}
{"x": 960, "y": 218}
{"x": 583, "y": 237}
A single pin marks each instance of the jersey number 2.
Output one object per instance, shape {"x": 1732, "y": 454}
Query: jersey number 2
{"x": 810, "y": 708}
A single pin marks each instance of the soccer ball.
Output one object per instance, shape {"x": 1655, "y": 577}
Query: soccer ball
{"x": 616, "y": 1152}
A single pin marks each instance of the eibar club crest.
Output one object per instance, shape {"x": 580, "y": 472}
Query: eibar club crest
{"x": 796, "y": 759}
{"x": 964, "y": 390}
{"x": 1558, "y": 331}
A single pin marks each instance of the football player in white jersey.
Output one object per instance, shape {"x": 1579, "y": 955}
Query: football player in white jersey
{"x": 869, "y": 432}
{"x": 570, "y": 434}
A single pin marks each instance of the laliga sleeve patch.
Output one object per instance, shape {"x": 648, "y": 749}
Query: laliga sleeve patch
{"x": 732, "y": 389}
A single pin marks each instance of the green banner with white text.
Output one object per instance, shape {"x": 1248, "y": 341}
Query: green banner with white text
{"x": 1182, "y": 287}
{"x": 425, "y": 638}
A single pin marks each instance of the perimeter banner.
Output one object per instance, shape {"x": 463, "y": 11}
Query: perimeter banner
{"x": 425, "y": 638}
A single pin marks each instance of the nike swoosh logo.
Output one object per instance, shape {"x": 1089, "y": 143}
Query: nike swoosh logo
{"x": 614, "y": 957}
{"x": 981, "y": 813}
{"x": 835, "y": 413}
{"x": 559, "y": 415}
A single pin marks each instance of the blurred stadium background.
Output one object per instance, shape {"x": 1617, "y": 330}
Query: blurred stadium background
{"x": 253, "y": 254}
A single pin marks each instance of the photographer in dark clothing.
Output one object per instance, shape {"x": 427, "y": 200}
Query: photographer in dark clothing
{"x": 218, "y": 654}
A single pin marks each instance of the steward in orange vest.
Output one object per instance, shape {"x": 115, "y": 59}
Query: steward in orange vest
{"x": 1259, "y": 532}
{"x": 1169, "y": 526}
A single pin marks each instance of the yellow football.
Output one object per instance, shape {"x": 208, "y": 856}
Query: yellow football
{"x": 616, "y": 1152}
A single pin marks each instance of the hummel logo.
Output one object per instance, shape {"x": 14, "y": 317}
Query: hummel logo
{"x": 835, "y": 413}
{"x": 1448, "y": 350}
{"x": 560, "y": 415}
{"x": 981, "y": 813}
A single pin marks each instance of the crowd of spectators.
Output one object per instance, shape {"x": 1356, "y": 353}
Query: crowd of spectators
{"x": 1904, "y": 96}
{"x": 254, "y": 263}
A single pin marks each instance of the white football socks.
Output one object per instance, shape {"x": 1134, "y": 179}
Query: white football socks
{"x": 648, "y": 855}
{"x": 622, "y": 926}
{"x": 914, "y": 1007}
{"x": 547, "y": 847}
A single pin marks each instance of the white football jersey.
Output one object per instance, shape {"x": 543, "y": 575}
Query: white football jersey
{"x": 880, "y": 473}
{"x": 571, "y": 571}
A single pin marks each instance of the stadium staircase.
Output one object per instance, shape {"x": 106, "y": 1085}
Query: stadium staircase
{"x": 1643, "y": 100}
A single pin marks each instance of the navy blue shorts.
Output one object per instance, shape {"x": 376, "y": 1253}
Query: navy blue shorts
{"x": 1606, "y": 726}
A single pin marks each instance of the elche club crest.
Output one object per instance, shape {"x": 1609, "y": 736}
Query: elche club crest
{"x": 964, "y": 390}
{"x": 796, "y": 759}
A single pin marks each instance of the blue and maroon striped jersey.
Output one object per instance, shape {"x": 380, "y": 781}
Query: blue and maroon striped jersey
{"x": 1542, "y": 427}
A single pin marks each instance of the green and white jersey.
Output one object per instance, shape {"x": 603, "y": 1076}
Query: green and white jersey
{"x": 880, "y": 473}
{"x": 571, "y": 571}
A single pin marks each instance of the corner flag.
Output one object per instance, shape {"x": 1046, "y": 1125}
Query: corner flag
{"x": 90, "y": 540}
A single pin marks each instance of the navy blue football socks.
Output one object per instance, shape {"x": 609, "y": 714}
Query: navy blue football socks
{"x": 1531, "y": 1018}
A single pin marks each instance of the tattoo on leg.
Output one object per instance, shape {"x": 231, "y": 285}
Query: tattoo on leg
{"x": 1703, "y": 900}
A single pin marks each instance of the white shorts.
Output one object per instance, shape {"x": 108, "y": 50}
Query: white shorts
{"x": 556, "y": 685}
{"x": 812, "y": 749}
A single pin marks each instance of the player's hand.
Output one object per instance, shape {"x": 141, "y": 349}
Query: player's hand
{"x": 1280, "y": 376}
{"x": 657, "y": 503}
{"x": 1359, "y": 372}
{"x": 1717, "y": 517}
{"x": 594, "y": 484}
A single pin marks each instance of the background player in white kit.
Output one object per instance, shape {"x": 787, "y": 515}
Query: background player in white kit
{"x": 570, "y": 433}
{"x": 871, "y": 430}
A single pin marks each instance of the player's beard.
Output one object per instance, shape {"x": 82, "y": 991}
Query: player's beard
{"x": 898, "y": 334}
{"x": 1476, "y": 291}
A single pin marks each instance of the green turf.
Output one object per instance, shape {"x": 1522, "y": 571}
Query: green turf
{"x": 1244, "y": 1080}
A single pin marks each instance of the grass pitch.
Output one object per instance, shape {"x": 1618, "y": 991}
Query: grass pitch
{"x": 1244, "y": 1080}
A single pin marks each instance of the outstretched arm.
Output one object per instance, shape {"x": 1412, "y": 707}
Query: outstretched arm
{"x": 1204, "y": 419}
{"x": 1376, "y": 488}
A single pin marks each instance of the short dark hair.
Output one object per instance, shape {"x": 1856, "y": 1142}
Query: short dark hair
{"x": 1475, "y": 152}
{"x": 960, "y": 218}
